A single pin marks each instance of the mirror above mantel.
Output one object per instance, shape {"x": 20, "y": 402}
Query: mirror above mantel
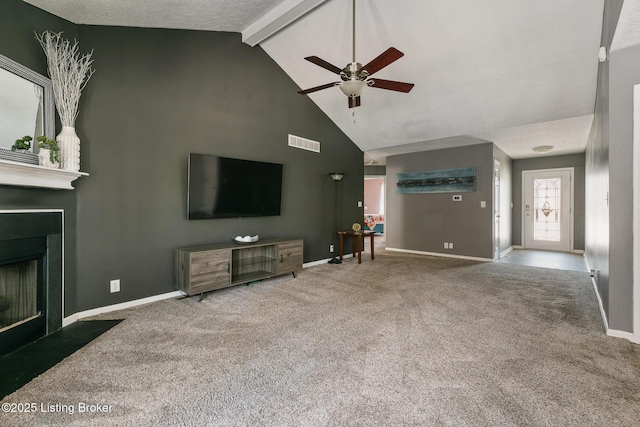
{"x": 26, "y": 103}
{"x": 27, "y": 108}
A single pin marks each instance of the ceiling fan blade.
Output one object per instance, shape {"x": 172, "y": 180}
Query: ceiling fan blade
{"x": 317, "y": 88}
{"x": 324, "y": 64}
{"x": 385, "y": 58}
{"x": 391, "y": 85}
{"x": 354, "y": 101}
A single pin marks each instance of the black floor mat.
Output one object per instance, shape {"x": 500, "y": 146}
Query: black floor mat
{"x": 26, "y": 363}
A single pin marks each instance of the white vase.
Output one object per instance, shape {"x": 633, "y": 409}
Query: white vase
{"x": 44, "y": 157}
{"x": 69, "y": 144}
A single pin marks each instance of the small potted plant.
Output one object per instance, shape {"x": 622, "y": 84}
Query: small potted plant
{"x": 49, "y": 153}
{"x": 23, "y": 144}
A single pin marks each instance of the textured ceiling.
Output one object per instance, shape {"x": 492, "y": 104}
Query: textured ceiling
{"x": 481, "y": 69}
{"x": 213, "y": 15}
{"x": 628, "y": 30}
{"x": 520, "y": 73}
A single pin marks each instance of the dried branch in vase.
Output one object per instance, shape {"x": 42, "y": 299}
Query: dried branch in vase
{"x": 69, "y": 71}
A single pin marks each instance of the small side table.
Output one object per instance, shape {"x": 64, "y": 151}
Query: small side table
{"x": 357, "y": 238}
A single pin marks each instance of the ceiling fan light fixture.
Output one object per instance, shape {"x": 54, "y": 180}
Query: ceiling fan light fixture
{"x": 353, "y": 87}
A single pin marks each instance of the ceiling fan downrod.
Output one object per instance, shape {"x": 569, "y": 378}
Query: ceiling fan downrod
{"x": 353, "y": 29}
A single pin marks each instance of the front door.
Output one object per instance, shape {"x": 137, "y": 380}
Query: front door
{"x": 547, "y": 209}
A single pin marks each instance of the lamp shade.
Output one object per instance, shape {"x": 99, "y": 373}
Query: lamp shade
{"x": 353, "y": 87}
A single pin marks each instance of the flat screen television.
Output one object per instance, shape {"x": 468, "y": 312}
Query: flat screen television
{"x": 221, "y": 187}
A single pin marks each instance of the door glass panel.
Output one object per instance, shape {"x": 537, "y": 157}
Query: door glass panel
{"x": 546, "y": 209}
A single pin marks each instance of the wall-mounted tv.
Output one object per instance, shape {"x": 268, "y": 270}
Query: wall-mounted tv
{"x": 221, "y": 187}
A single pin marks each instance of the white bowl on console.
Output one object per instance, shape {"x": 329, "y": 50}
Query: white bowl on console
{"x": 245, "y": 239}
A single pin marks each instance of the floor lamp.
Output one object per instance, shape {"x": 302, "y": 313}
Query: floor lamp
{"x": 336, "y": 176}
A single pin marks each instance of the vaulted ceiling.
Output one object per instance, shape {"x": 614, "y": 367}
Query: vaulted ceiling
{"x": 519, "y": 73}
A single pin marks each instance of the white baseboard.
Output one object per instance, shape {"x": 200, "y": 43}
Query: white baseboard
{"x": 517, "y": 247}
{"x": 323, "y": 261}
{"x": 621, "y": 334}
{"x": 506, "y": 251}
{"x": 115, "y": 307}
{"x": 602, "y": 312}
{"x": 314, "y": 263}
{"x": 610, "y": 332}
{"x": 438, "y": 254}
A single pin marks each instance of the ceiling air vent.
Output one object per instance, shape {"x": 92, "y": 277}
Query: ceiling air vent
{"x": 305, "y": 144}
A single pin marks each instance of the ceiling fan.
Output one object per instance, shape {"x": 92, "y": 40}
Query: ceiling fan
{"x": 355, "y": 78}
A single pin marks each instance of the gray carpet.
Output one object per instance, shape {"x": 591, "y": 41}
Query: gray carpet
{"x": 402, "y": 340}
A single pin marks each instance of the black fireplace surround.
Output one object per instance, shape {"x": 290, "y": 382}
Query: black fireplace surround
{"x": 34, "y": 235}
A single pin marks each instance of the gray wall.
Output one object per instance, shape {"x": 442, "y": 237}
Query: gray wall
{"x": 623, "y": 75}
{"x": 158, "y": 95}
{"x": 576, "y": 161}
{"x": 598, "y": 241}
{"x": 423, "y": 222}
{"x": 18, "y": 22}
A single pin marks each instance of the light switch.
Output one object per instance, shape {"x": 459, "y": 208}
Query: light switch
{"x": 483, "y": 204}
{"x": 359, "y": 203}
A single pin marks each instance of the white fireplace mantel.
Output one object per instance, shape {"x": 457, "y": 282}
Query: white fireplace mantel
{"x": 27, "y": 175}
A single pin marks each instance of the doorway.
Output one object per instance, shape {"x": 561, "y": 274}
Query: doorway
{"x": 374, "y": 205}
{"x": 547, "y": 222}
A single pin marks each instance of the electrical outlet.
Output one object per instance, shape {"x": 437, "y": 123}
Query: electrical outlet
{"x": 446, "y": 245}
{"x": 114, "y": 285}
{"x": 331, "y": 248}
{"x": 450, "y": 245}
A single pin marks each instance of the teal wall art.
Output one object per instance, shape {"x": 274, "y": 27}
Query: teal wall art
{"x": 437, "y": 181}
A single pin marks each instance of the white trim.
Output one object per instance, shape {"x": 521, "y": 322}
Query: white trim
{"x": 324, "y": 261}
{"x": 506, "y": 251}
{"x": 577, "y": 251}
{"x": 27, "y": 175}
{"x": 438, "y": 254}
{"x": 517, "y": 247}
{"x": 571, "y": 170}
{"x": 586, "y": 264}
{"x": 276, "y": 19}
{"x": 121, "y": 306}
{"x": 315, "y": 263}
{"x": 602, "y": 312}
{"x": 609, "y": 332}
{"x": 620, "y": 334}
{"x": 60, "y": 211}
{"x": 636, "y": 214}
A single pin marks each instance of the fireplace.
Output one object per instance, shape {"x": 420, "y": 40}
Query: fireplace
{"x": 30, "y": 277}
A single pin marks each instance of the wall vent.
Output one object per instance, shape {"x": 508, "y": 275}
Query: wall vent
{"x": 305, "y": 144}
